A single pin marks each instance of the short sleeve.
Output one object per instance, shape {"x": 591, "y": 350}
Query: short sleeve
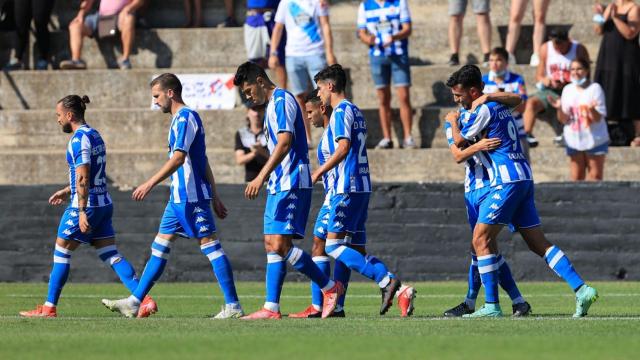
{"x": 322, "y": 9}
{"x": 478, "y": 121}
{"x": 81, "y": 148}
{"x": 599, "y": 98}
{"x": 239, "y": 145}
{"x": 448, "y": 131}
{"x": 186, "y": 129}
{"x": 405, "y": 14}
{"x": 342, "y": 123}
{"x": 281, "y": 12}
{"x": 566, "y": 99}
{"x": 286, "y": 112}
{"x": 362, "y": 19}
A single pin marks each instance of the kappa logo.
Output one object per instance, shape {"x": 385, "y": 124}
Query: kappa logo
{"x": 292, "y": 197}
{"x": 69, "y": 222}
{"x": 290, "y": 216}
{"x": 499, "y": 187}
{"x": 494, "y": 206}
{"x": 340, "y": 214}
{"x": 73, "y": 214}
{"x": 320, "y": 230}
{"x": 182, "y": 119}
{"x": 342, "y": 204}
{"x": 203, "y": 228}
{"x": 278, "y": 99}
{"x": 289, "y": 227}
{"x": 291, "y": 206}
{"x": 75, "y": 140}
{"x": 200, "y": 219}
{"x": 326, "y": 221}
{"x": 497, "y": 197}
{"x": 67, "y": 232}
{"x": 338, "y": 224}
{"x": 197, "y": 210}
{"x": 491, "y": 216}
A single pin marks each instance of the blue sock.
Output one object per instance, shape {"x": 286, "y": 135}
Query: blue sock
{"x": 560, "y": 263}
{"x": 59, "y": 274}
{"x": 474, "y": 283}
{"x": 276, "y": 271}
{"x": 341, "y": 273}
{"x": 356, "y": 261}
{"x": 160, "y": 250}
{"x": 507, "y": 282}
{"x": 221, "y": 269}
{"x": 302, "y": 262}
{"x": 124, "y": 270}
{"x": 488, "y": 269}
{"x": 379, "y": 265}
{"x": 324, "y": 264}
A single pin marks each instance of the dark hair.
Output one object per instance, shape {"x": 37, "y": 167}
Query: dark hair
{"x": 559, "y": 34}
{"x": 168, "y": 81}
{"x": 500, "y": 51}
{"x": 313, "y": 97}
{"x": 249, "y": 73}
{"x": 75, "y": 104}
{"x": 468, "y": 76}
{"x": 585, "y": 64}
{"x": 334, "y": 73}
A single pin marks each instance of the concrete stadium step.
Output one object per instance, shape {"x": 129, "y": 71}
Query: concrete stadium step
{"x": 119, "y": 89}
{"x": 129, "y": 168}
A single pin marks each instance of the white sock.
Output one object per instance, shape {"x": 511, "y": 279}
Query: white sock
{"x": 271, "y": 306}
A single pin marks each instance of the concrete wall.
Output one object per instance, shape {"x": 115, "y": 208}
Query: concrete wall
{"x": 420, "y": 230}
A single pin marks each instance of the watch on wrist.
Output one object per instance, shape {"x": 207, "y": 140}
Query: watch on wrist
{"x": 273, "y": 53}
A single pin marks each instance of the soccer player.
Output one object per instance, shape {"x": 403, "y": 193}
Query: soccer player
{"x": 87, "y": 219}
{"x": 289, "y": 191}
{"x": 346, "y": 167}
{"x": 510, "y": 199}
{"x": 188, "y": 212}
{"x": 476, "y": 186}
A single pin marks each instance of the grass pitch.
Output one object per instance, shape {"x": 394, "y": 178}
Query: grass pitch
{"x": 86, "y": 330}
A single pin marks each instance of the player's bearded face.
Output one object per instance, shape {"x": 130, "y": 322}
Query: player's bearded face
{"x": 314, "y": 114}
{"x": 64, "y": 119}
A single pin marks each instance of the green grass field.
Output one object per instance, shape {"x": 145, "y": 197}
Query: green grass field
{"x": 84, "y": 329}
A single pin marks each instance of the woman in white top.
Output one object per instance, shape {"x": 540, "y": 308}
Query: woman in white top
{"x": 582, "y": 110}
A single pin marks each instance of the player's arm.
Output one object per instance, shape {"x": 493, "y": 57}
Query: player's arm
{"x": 452, "y": 119}
{"x": 340, "y": 153}
{"x": 82, "y": 191}
{"x": 285, "y": 140}
{"x": 506, "y": 98}
{"x": 177, "y": 159}
{"x": 218, "y": 206}
{"x": 60, "y": 196}
{"x": 328, "y": 39}
{"x": 461, "y": 155}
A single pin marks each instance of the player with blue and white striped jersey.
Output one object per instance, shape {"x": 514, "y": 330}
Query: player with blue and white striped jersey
{"x": 510, "y": 199}
{"x": 87, "y": 219}
{"x": 188, "y": 212}
{"x": 350, "y": 188}
{"x": 288, "y": 191}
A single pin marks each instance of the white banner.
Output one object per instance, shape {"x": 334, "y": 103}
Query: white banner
{"x": 207, "y": 91}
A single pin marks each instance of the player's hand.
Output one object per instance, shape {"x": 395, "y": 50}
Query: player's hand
{"x": 371, "y": 39}
{"x": 479, "y": 101}
{"x": 488, "y": 144}
{"x": 331, "y": 59}
{"x": 274, "y": 62}
{"x": 83, "y": 222}
{"x": 452, "y": 117}
{"x": 219, "y": 208}
{"x": 556, "y": 103}
{"x": 142, "y": 191}
{"x": 315, "y": 177}
{"x": 59, "y": 197}
{"x": 253, "y": 188}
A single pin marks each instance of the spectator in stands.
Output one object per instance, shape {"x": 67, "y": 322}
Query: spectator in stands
{"x": 552, "y": 75}
{"x": 258, "y": 29}
{"x": 582, "y": 110}
{"x": 230, "y": 20}
{"x": 457, "y": 9}
{"x": 386, "y": 26}
{"x": 194, "y": 13}
{"x": 518, "y": 8}
{"x": 251, "y": 144}
{"x": 309, "y": 45}
{"x": 40, "y": 12}
{"x": 501, "y": 79}
{"x": 84, "y": 25}
{"x": 618, "y": 66}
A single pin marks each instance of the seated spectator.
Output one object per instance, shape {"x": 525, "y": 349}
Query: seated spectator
{"x": 552, "y": 75}
{"x": 309, "y": 45}
{"x": 386, "y": 26}
{"x": 40, "y": 12}
{"x": 457, "y": 9}
{"x": 500, "y": 79}
{"x": 517, "y": 10}
{"x": 258, "y": 29}
{"x": 84, "y": 25}
{"x": 618, "y": 66}
{"x": 251, "y": 144}
{"x": 194, "y": 13}
{"x": 582, "y": 110}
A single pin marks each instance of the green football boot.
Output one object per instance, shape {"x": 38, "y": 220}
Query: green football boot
{"x": 488, "y": 310}
{"x": 585, "y": 297}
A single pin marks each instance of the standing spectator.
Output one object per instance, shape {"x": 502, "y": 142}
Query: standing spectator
{"x": 84, "y": 25}
{"x": 582, "y": 110}
{"x": 258, "y": 29}
{"x": 500, "y": 79}
{"x": 457, "y": 9}
{"x": 251, "y": 144}
{"x": 194, "y": 13}
{"x": 309, "y": 45}
{"x": 618, "y": 66}
{"x": 40, "y": 12}
{"x": 385, "y": 25}
{"x": 230, "y": 20}
{"x": 518, "y": 8}
{"x": 552, "y": 75}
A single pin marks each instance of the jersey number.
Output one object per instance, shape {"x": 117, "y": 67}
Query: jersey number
{"x": 100, "y": 180}
{"x": 513, "y": 134}
{"x": 362, "y": 158}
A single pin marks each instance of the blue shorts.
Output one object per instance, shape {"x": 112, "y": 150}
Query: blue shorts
{"x": 192, "y": 219}
{"x": 348, "y": 212}
{"x": 320, "y": 229}
{"x": 598, "y": 150}
{"x": 511, "y": 203}
{"x": 287, "y": 212}
{"x": 385, "y": 68}
{"x": 302, "y": 69}
{"x": 99, "y": 219}
{"x": 472, "y": 200}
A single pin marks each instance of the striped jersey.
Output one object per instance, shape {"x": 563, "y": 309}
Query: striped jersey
{"x": 384, "y": 21}
{"x": 86, "y": 147}
{"x": 512, "y": 83}
{"x": 476, "y": 174}
{"x": 494, "y": 120}
{"x": 326, "y": 148}
{"x": 283, "y": 114}
{"x": 352, "y": 173}
{"x": 189, "y": 183}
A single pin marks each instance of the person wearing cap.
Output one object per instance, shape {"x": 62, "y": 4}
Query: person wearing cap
{"x": 552, "y": 74}
{"x": 251, "y": 144}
